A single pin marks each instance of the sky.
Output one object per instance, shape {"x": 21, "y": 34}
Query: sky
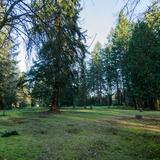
{"x": 97, "y": 18}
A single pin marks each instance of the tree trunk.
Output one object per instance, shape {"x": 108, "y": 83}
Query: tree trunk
{"x": 54, "y": 106}
{"x": 118, "y": 93}
{"x": 152, "y": 104}
{"x": 110, "y": 99}
{"x": 134, "y": 102}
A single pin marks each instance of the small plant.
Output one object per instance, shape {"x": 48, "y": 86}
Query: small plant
{"x": 9, "y": 133}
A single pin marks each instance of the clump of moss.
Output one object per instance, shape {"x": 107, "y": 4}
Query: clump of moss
{"x": 9, "y": 133}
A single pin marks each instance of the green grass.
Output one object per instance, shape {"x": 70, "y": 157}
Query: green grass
{"x": 77, "y": 134}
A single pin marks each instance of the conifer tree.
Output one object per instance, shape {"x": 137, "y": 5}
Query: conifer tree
{"x": 62, "y": 51}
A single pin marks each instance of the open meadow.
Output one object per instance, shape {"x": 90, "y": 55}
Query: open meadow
{"x": 58, "y": 55}
{"x": 80, "y": 134}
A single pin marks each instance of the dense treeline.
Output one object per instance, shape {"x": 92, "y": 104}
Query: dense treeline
{"x": 126, "y": 71}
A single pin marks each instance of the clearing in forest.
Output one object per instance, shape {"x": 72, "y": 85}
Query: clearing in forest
{"x": 98, "y": 134}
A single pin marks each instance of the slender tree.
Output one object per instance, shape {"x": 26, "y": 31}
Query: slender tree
{"x": 96, "y": 81}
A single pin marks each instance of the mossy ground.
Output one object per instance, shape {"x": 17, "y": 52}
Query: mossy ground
{"x": 80, "y": 134}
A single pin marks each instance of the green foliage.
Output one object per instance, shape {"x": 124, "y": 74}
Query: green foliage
{"x": 62, "y": 53}
{"x": 118, "y": 52}
{"x": 107, "y": 69}
{"x": 9, "y": 83}
{"x": 127, "y": 70}
{"x": 124, "y": 72}
{"x": 22, "y": 92}
{"x": 95, "y": 74}
{"x": 9, "y": 133}
{"x": 7, "y": 72}
{"x": 143, "y": 60}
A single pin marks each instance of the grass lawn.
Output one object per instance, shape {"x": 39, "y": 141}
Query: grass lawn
{"x": 98, "y": 134}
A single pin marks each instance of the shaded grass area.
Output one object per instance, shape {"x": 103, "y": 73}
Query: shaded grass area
{"x": 77, "y": 134}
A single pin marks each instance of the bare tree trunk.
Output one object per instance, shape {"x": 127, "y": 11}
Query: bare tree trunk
{"x": 118, "y": 93}
{"x": 132, "y": 102}
{"x": 152, "y": 104}
{"x": 54, "y": 105}
{"x": 110, "y": 94}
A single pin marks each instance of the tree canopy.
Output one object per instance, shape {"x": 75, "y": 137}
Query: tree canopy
{"x": 124, "y": 71}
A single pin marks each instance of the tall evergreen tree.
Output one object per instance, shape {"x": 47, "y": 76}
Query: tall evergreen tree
{"x": 63, "y": 50}
{"x": 119, "y": 48}
{"x": 143, "y": 60}
{"x": 8, "y": 73}
{"x": 96, "y": 81}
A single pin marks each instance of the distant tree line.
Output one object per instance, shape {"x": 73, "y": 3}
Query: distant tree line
{"x": 127, "y": 69}
{"x": 123, "y": 72}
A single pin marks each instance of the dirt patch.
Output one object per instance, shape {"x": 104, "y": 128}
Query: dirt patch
{"x": 146, "y": 119}
{"x": 130, "y": 122}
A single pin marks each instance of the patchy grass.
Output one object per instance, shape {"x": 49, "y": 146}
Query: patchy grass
{"x": 77, "y": 134}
